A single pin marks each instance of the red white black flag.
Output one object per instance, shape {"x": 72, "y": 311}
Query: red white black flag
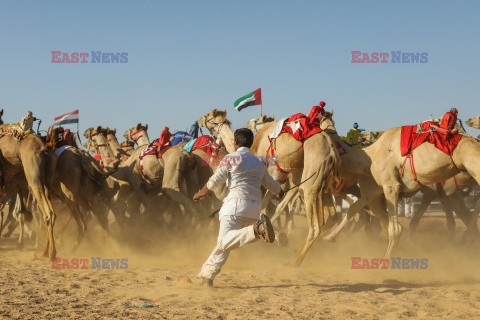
{"x": 71, "y": 117}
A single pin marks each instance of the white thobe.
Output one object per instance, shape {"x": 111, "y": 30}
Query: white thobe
{"x": 244, "y": 175}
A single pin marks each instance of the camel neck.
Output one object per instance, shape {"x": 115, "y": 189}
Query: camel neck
{"x": 114, "y": 145}
{"x": 226, "y": 134}
{"x": 141, "y": 138}
{"x": 106, "y": 153}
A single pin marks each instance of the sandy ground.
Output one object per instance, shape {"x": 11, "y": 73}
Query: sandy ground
{"x": 255, "y": 283}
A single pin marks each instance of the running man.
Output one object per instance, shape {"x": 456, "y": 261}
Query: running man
{"x": 240, "y": 224}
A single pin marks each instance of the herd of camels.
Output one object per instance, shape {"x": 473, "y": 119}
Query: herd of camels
{"x": 136, "y": 186}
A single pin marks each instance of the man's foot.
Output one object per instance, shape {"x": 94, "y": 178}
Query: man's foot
{"x": 207, "y": 283}
{"x": 263, "y": 227}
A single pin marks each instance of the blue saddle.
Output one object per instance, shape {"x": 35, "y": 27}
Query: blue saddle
{"x": 180, "y": 136}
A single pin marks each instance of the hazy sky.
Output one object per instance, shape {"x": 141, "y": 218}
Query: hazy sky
{"x": 187, "y": 57}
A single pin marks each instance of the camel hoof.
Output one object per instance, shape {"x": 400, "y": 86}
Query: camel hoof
{"x": 19, "y": 245}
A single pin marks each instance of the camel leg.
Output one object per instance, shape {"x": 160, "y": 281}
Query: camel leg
{"x": 48, "y": 218}
{"x": 445, "y": 201}
{"x": 377, "y": 210}
{"x": 277, "y": 176}
{"x": 457, "y": 203}
{"x": 394, "y": 227}
{"x": 79, "y": 219}
{"x": 291, "y": 195}
{"x": 427, "y": 198}
{"x": 1, "y": 223}
{"x": 354, "y": 208}
{"x": 179, "y": 197}
{"x": 318, "y": 169}
{"x": 21, "y": 223}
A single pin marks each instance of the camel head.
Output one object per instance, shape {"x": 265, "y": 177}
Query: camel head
{"x": 472, "y": 122}
{"x": 136, "y": 132}
{"x": 111, "y": 134}
{"x": 98, "y": 137}
{"x": 1, "y": 114}
{"x": 369, "y": 137}
{"x": 327, "y": 123}
{"x": 111, "y": 131}
{"x": 90, "y": 146}
{"x": 127, "y": 145}
{"x": 214, "y": 120}
{"x": 255, "y": 123}
{"x": 93, "y": 132}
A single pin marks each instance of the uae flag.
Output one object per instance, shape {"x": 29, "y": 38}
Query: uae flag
{"x": 252, "y": 99}
{"x": 71, "y": 117}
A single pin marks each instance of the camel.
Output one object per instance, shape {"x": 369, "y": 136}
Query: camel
{"x": 219, "y": 127}
{"x": 159, "y": 176}
{"x": 79, "y": 181}
{"x": 102, "y": 147}
{"x": 369, "y": 137}
{"x": 138, "y": 134}
{"x": 128, "y": 146}
{"x": 451, "y": 196}
{"x": 383, "y": 162}
{"x": 316, "y": 157}
{"x": 255, "y": 124}
{"x": 206, "y": 166}
{"x": 474, "y": 122}
{"x": 117, "y": 149}
{"x": 33, "y": 160}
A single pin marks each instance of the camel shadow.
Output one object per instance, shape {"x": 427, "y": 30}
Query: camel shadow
{"x": 388, "y": 286}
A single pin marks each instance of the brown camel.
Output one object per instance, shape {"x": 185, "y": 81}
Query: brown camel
{"x": 158, "y": 176}
{"x": 102, "y": 147}
{"x": 369, "y": 137}
{"x": 383, "y": 162}
{"x": 138, "y": 134}
{"x": 128, "y": 146}
{"x": 79, "y": 183}
{"x": 316, "y": 157}
{"x": 219, "y": 126}
{"x": 114, "y": 145}
{"x": 206, "y": 165}
{"x": 474, "y": 122}
{"x": 32, "y": 159}
{"x": 256, "y": 123}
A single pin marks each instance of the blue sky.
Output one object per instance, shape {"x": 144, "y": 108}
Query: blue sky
{"x": 187, "y": 57}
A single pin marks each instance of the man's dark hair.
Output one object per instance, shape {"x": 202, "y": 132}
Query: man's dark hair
{"x": 243, "y": 137}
